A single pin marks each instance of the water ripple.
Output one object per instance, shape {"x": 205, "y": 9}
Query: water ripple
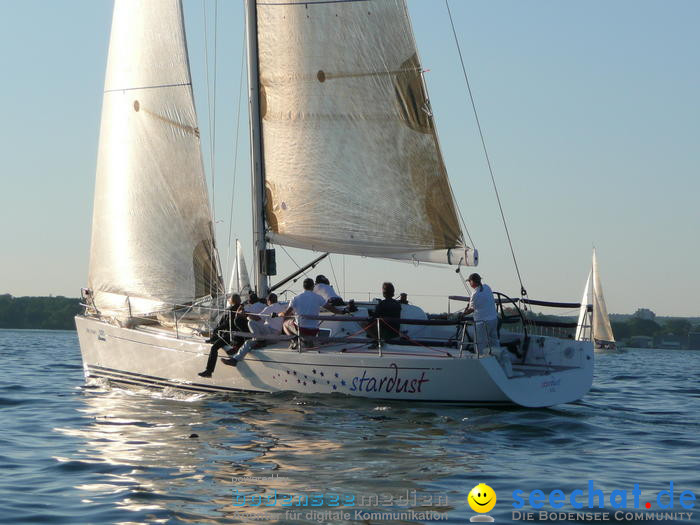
{"x": 97, "y": 453}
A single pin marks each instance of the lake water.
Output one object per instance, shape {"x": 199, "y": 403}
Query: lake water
{"x": 71, "y": 453}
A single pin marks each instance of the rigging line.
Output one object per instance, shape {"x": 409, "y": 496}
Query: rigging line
{"x": 235, "y": 151}
{"x": 335, "y": 278}
{"x": 213, "y": 111}
{"x": 211, "y": 147}
{"x": 486, "y": 153}
{"x": 296, "y": 263}
{"x": 292, "y": 258}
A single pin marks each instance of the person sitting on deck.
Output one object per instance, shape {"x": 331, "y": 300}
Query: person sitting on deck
{"x": 267, "y": 323}
{"x": 324, "y": 289}
{"x": 221, "y": 335}
{"x": 306, "y": 303}
{"x": 240, "y": 322}
{"x": 388, "y": 308}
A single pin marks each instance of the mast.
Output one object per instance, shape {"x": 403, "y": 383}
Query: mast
{"x": 257, "y": 173}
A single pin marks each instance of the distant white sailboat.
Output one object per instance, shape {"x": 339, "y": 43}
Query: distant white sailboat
{"x": 345, "y": 159}
{"x": 239, "y": 282}
{"x": 593, "y": 320}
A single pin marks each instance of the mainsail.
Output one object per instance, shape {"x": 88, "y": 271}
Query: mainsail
{"x": 152, "y": 239}
{"x": 352, "y": 162}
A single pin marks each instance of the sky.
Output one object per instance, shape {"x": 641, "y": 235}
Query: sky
{"x": 590, "y": 112}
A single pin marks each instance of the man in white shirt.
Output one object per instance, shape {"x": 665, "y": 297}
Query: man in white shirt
{"x": 306, "y": 303}
{"x": 264, "y": 324}
{"x": 483, "y": 306}
{"x": 324, "y": 289}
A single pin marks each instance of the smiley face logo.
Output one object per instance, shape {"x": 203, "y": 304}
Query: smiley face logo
{"x": 482, "y": 498}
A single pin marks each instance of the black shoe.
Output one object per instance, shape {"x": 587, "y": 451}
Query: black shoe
{"x": 206, "y": 373}
{"x": 229, "y": 361}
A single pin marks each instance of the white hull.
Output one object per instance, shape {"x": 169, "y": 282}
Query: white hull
{"x": 557, "y": 371}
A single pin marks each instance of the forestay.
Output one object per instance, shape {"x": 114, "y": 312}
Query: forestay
{"x": 352, "y": 162}
{"x": 152, "y": 238}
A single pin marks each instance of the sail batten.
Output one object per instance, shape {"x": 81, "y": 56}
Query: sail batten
{"x": 351, "y": 157}
{"x": 152, "y": 238}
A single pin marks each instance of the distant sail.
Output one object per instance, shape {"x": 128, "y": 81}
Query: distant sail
{"x": 352, "y": 161}
{"x": 602, "y": 331}
{"x": 593, "y": 320}
{"x": 583, "y": 327}
{"x": 152, "y": 238}
{"x": 239, "y": 282}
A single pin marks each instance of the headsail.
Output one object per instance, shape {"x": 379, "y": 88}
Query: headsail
{"x": 239, "y": 282}
{"x": 602, "y": 331}
{"x": 351, "y": 156}
{"x": 584, "y": 325}
{"x": 152, "y": 238}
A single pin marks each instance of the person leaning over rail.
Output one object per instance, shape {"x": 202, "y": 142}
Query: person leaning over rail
{"x": 267, "y": 323}
{"x": 324, "y": 289}
{"x": 388, "y": 308}
{"x": 306, "y": 303}
{"x": 221, "y": 335}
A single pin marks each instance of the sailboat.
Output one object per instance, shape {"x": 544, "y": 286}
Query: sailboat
{"x": 239, "y": 281}
{"x": 593, "y": 320}
{"x": 345, "y": 159}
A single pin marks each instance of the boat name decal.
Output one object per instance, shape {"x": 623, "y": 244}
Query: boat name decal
{"x": 551, "y": 385}
{"x": 388, "y": 383}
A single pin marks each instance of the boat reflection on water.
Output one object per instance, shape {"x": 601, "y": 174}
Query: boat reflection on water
{"x": 159, "y": 452}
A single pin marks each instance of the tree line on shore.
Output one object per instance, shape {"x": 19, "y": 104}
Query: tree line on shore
{"x": 47, "y": 313}
{"x": 57, "y": 313}
{"x": 651, "y": 328}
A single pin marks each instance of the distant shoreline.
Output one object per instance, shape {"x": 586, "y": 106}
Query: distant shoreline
{"x": 57, "y": 313}
{"x": 38, "y": 313}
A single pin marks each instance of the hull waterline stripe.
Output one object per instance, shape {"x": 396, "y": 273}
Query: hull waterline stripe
{"x": 119, "y": 375}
